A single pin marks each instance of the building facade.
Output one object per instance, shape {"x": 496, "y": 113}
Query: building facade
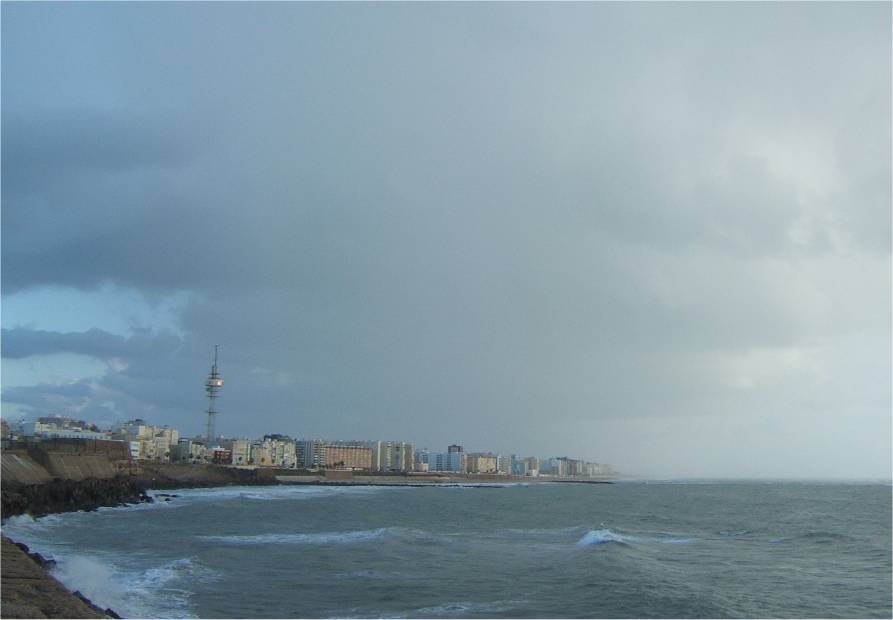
{"x": 345, "y": 456}
{"x": 481, "y": 463}
{"x": 241, "y": 451}
{"x": 444, "y": 461}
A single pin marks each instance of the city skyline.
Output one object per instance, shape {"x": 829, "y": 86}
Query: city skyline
{"x": 163, "y": 444}
{"x": 26, "y": 428}
{"x": 558, "y": 228}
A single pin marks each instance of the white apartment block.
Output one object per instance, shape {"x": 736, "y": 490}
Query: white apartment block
{"x": 391, "y": 455}
{"x": 504, "y": 464}
{"x": 241, "y": 449}
{"x": 273, "y": 453}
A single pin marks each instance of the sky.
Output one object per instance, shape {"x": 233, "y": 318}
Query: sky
{"x": 655, "y": 235}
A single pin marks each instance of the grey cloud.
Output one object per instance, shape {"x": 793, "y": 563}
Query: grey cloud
{"x": 22, "y": 342}
{"x": 86, "y": 400}
{"x": 68, "y": 142}
{"x": 429, "y": 219}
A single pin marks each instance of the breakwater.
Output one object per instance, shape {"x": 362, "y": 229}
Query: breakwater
{"x": 28, "y": 591}
{"x": 68, "y": 476}
{"x": 59, "y": 494}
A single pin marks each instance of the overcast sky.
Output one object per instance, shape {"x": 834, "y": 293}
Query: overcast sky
{"x": 650, "y": 234}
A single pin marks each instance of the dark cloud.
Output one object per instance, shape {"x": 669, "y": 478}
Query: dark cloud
{"x": 22, "y": 342}
{"x": 440, "y": 221}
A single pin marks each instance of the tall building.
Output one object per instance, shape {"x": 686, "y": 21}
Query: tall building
{"x": 444, "y": 461}
{"x": 272, "y": 452}
{"x": 311, "y": 453}
{"x": 346, "y": 456}
{"x": 504, "y": 464}
{"x": 530, "y": 466}
{"x": 481, "y": 463}
{"x": 401, "y": 457}
{"x": 241, "y": 450}
{"x": 391, "y": 455}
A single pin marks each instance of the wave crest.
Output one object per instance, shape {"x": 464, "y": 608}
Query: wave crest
{"x": 600, "y": 537}
{"x": 308, "y": 538}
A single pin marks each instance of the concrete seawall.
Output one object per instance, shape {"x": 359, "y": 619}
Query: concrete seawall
{"x": 20, "y": 468}
{"x": 29, "y": 591}
{"x": 39, "y": 463}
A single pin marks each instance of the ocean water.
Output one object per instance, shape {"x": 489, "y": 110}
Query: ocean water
{"x": 718, "y": 550}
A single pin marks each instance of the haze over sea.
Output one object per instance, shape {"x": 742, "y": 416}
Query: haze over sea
{"x": 689, "y": 549}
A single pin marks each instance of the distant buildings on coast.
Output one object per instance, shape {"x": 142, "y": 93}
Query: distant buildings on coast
{"x": 165, "y": 445}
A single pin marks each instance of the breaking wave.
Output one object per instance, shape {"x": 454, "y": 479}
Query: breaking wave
{"x": 160, "y": 591}
{"x": 463, "y": 609}
{"x": 575, "y": 529}
{"x": 321, "y": 538}
{"x": 606, "y": 536}
{"x": 601, "y": 537}
{"x": 262, "y": 493}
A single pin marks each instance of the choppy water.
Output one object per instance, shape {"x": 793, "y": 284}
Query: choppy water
{"x": 543, "y": 550}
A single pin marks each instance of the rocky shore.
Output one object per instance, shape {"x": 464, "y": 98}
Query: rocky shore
{"x": 65, "y": 495}
{"x": 29, "y": 591}
{"x": 71, "y": 477}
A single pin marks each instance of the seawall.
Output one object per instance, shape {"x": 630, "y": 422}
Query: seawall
{"x": 29, "y": 591}
{"x": 64, "y": 476}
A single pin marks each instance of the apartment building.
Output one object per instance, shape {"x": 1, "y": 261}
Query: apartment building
{"x": 481, "y": 463}
{"x": 347, "y": 456}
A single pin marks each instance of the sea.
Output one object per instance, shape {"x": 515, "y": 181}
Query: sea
{"x": 693, "y": 549}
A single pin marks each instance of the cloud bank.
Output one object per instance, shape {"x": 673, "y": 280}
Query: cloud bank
{"x": 655, "y": 235}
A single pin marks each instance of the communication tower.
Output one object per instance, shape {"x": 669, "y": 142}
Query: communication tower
{"x": 212, "y": 387}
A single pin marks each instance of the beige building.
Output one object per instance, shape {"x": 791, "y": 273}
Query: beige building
{"x": 348, "y": 457}
{"x": 481, "y": 463}
{"x": 156, "y": 443}
{"x": 241, "y": 449}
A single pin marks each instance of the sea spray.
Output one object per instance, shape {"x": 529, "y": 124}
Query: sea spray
{"x": 600, "y": 537}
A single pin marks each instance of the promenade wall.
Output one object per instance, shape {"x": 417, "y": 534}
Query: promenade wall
{"x": 64, "y": 459}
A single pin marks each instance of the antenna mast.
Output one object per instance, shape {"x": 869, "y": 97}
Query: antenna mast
{"x": 212, "y": 387}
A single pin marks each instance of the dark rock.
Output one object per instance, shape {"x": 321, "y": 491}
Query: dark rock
{"x": 70, "y": 495}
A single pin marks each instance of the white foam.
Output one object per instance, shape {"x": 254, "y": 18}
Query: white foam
{"x": 146, "y": 593}
{"x": 574, "y": 529}
{"x": 676, "y": 541}
{"x": 463, "y": 609}
{"x": 600, "y": 537}
{"x": 603, "y": 536}
{"x": 259, "y": 493}
{"x": 316, "y": 538}
{"x": 476, "y": 485}
{"x": 35, "y": 532}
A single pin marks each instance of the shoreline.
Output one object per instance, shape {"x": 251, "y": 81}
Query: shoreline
{"x": 29, "y": 590}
